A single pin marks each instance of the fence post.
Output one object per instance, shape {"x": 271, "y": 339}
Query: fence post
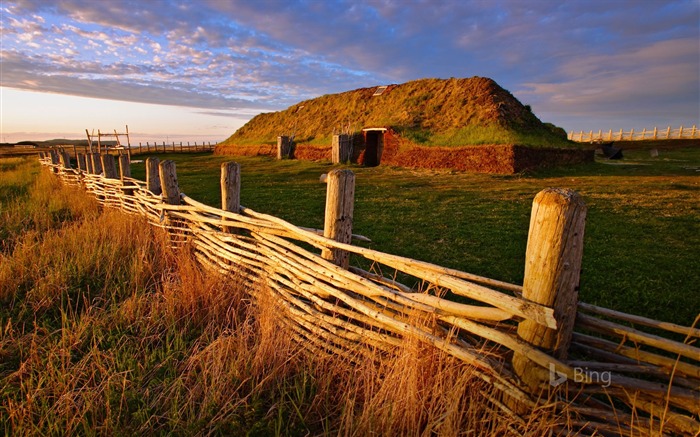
{"x": 655, "y": 132}
{"x": 96, "y": 163}
{"x": 631, "y": 134}
{"x": 341, "y": 149}
{"x": 692, "y": 135}
{"x": 124, "y": 167}
{"x": 610, "y": 135}
{"x": 80, "y": 158}
{"x": 340, "y": 203}
{"x": 230, "y": 189}
{"x": 64, "y": 158}
{"x": 88, "y": 163}
{"x": 668, "y": 133}
{"x": 680, "y": 132}
{"x": 552, "y": 271}
{"x": 168, "y": 178}
{"x": 109, "y": 166}
{"x": 152, "y": 176}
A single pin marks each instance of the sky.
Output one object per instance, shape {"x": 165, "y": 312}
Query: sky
{"x": 198, "y": 70}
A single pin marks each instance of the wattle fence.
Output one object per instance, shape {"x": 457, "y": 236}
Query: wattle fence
{"x": 608, "y": 372}
{"x": 682, "y": 133}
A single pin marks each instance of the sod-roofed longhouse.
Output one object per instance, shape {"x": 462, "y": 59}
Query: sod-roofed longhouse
{"x": 465, "y": 124}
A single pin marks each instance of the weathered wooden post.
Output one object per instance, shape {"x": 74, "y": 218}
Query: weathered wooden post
{"x": 64, "y": 158}
{"x": 340, "y": 203}
{"x": 168, "y": 178}
{"x": 88, "y": 163}
{"x": 96, "y": 163}
{"x": 124, "y": 167}
{"x": 552, "y": 271}
{"x": 285, "y": 147}
{"x": 153, "y": 176}
{"x": 341, "y": 150}
{"x": 109, "y": 166}
{"x": 80, "y": 158}
{"x": 230, "y": 189}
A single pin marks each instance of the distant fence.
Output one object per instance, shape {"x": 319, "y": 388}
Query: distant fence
{"x": 631, "y": 135}
{"x": 181, "y": 146}
{"x": 535, "y": 344}
{"x": 133, "y": 149}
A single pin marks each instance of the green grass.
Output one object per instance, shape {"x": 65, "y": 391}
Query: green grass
{"x": 486, "y": 134}
{"x": 642, "y": 233}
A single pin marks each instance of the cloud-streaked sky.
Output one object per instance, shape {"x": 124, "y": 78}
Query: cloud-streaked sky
{"x": 200, "y": 69}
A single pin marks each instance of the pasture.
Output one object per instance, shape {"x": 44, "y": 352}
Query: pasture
{"x": 642, "y": 233}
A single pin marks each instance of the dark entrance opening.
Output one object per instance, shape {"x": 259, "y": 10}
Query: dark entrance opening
{"x": 374, "y": 144}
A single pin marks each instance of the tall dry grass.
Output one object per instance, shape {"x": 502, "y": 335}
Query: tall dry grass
{"x": 105, "y": 330}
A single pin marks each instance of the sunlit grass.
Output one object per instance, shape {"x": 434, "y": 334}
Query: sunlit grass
{"x": 106, "y": 330}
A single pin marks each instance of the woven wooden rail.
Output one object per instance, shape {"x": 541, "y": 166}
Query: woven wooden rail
{"x": 619, "y": 373}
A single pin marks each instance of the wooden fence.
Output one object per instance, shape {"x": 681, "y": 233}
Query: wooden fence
{"x": 631, "y": 135}
{"x": 148, "y": 147}
{"x": 609, "y": 372}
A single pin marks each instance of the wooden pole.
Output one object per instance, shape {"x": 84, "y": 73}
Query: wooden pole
{"x": 668, "y": 133}
{"x": 655, "y": 132}
{"x": 552, "y": 271}
{"x": 96, "y": 163}
{"x": 680, "y": 132}
{"x": 610, "y": 135}
{"x": 89, "y": 140}
{"x": 341, "y": 149}
{"x": 65, "y": 159}
{"x": 82, "y": 162}
{"x": 692, "y": 135}
{"x": 230, "y": 189}
{"x": 168, "y": 177}
{"x": 631, "y": 134}
{"x": 109, "y": 166}
{"x": 88, "y": 163}
{"x": 124, "y": 167}
{"x": 153, "y": 176}
{"x": 340, "y": 202}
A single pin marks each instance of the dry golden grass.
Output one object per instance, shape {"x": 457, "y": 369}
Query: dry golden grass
{"x": 105, "y": 330}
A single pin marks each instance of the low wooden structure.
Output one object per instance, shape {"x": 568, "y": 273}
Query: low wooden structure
{"x": 606, "y": 371}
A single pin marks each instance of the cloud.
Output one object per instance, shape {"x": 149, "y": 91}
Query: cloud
{"x": 575, "y": 56}
{"x": 662, "y": 75}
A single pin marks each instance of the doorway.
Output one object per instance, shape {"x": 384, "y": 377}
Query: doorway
{"x": 374, "y": 146}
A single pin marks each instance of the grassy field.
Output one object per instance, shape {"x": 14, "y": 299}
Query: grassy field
{"x": 642, "y": 235}
{"x": 105, "y": 330}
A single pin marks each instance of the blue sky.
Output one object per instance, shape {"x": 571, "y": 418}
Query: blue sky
{"x": 198, "y": 70}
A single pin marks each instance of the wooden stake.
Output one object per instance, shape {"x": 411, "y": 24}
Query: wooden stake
{"x": 552, "y": 272}
{"x": 80, "y": 158}
{"x": 168, "y": 178}
{"x": 124, "y": 167}
{"x": 109, "y": 166}
{"x": 65, "y": 159}
{"x": 341, "y": 149}
{"x": 96, "y": 163}
{"x": 153, "y": 176}
{"x": 340, "y": 202}
{"x": 230, "y": 189}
